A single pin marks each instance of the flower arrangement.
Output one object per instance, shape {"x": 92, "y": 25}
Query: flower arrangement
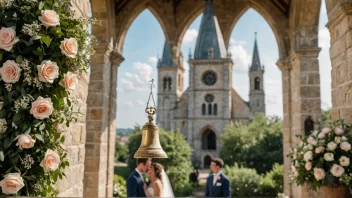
{"x": 43, "y": 51}
{"x": 323, "y": 158}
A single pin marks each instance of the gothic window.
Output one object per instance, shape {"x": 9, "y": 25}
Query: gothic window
{"x": 257, "y": 83}
{"x": 308, "y": 126}
{"x": 209, "y": 98}
{"x": 215, "y": 109}
{"x": 209, "y": 78}
{"x": 209, "y": 140}
{"x": 203, "y": 109}
{"x": 209, "y": 109}
{"x": 210, "y": 53}
{"x": 167, "y": 84}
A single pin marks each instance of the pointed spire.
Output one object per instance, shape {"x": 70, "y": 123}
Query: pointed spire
{"x": 210, "y": 42}
{"x": 255, "y": 60}
{"x": 166, "y": 60}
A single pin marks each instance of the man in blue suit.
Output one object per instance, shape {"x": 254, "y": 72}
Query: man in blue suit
{"x": 135, "y": 181}
{"x": 218, "y": 185}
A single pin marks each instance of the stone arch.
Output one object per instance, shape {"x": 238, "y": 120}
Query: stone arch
{"x": 257, "y": 83}
{"x": 209, "y": 140}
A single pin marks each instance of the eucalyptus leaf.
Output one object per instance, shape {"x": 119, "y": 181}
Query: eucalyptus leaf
{"x": 7, "y": 142}
{"x": 19, "y": 59}
{"x": 17, "y": 117}
{"x": 47, "y": 40}
{"x": 42, "y": 127}
{"x": 39, "y": 137}
{"x": 2, "y": 157}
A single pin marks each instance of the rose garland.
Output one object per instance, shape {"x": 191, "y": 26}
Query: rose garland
{"x": 43, "y": 50}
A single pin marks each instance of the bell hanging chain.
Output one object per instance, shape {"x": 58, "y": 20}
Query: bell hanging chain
{"x": 151, "y": 110}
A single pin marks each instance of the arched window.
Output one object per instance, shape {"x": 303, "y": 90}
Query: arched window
{"x": 215, "y": 109}
{"x": 207, "y": 161}
{"x": 165, "y": 84}
{"x": 209, "y": 109}
{"x": 209, "y": 140}
{"x": 203, "y": 109}
{"x": 257, "y": 83}
{"x": 169, "y": 83}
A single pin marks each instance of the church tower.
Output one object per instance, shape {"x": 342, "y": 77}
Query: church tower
{"x": 256, "y": 82}
{"x": 170, "y": 86}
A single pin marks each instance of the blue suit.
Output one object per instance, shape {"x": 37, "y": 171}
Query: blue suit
{"x": 135, "y": 185}
{"x": 222, "y": 187}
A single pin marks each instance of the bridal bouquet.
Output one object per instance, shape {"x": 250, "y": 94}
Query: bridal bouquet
{"x": 323, "y": 158}
{"x": 43, "y": 51}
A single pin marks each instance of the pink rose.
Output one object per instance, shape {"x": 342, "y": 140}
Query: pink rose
{"x": 321, "y": 135}
{"x": 51, "y": 161}
{"x": 48, "y": 71}
{"x": 25, "y": 141}
{"x": 311, "y": 141}
{"x": 10, "y": 72}
{"x": 319, "y": 150}
{"x": 332, "y": 146}
{"x": 7, "y": 38}
{"x": 308, "y": 166}
{"x": 69, "y": 47}
{"x": 344, "y": 161}
{"x": 337, "y": 170}
{"x": 319, "y": 173}
{"x": 49, "y": 18}
{"x": 11, "y": 183}
{"x": 42, "y": 108}
{"x": 70, "y": 81}
{"x": 345, "y": 146}
{"x": 326, "y": 130}
{"x": 338, "y": 131}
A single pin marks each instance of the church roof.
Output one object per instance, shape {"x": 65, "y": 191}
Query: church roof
{"x": 166, "y": 60}
{"x": 209, "y": 36}
{"x": 255, "y": 59}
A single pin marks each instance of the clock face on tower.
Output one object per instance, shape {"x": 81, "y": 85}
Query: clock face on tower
{"x": 209, "y": 78}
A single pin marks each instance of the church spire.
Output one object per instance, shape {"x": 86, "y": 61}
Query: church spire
{"x": 166, "y": 60}
{"x": 255, "y": 60}
{"x": 210, "y": 42}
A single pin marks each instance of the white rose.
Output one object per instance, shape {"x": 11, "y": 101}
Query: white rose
{"x": 49, "y": 18}
{"x": 308, "y": 166}
{"x": 338, "y": 131}
{"x": 319, "y": 150}
{"x": 11, "y": 183}
{"x": 25, "y": 141}
{"x": 329, "y": 157}
{"x": 51, "y": 161}
{"x": 296, "y": 164}
{"x": 332, "y": 146}
{"x": 10, "y": 72}
{"x": 326, "y": 130}
{"x": 337, "y": 170}
{"x": 344, "y": 161}
{"x": 312, "y": 141}
{"x": 70, "y": 81}
{"x": 1, "y": 105}
{"x": 7, "y": 38}
{"x": 315, "y": 132}
{"x": 343, "y": 138}
{"x": 308, "y": 156}
{"x": 321, "y": 135}
{"x": 319, "y": 173}
{"x": 345, "y": 146}
{"x": 337, "y": 140}
{"x": 42, "y": 108}
{"x": 48, "y": 71}
{"x": 69, "y": 47}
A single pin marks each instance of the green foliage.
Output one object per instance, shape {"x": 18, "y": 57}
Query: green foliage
{"x": 123, "y": 171}
{"x": 121, "y": 152}
{"x": 177, "y": 166}
{"x": 273, "y": 181}
{"x": 37, "y": 43}
{"x": 119, "y": 189}
{"x": 326, "y": 117}
{"x": 257, "y": 144}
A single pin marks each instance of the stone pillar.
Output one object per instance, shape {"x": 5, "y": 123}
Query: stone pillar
{"x": 340, "y": 27}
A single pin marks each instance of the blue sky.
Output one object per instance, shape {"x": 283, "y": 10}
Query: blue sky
{"x": 144, "y": 43}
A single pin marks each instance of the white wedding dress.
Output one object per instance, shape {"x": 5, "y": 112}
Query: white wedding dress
{"x": 167, "y": 190}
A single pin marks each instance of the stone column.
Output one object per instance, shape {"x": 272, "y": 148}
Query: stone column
{"x": 340, "y": 27}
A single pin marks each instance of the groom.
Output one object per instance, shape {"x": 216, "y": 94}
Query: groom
{"x": 135, "y": 181}
{"x": 218, "y": 185}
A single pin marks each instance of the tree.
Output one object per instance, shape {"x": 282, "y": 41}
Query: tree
{"x": 257, "y": 144}
{"x": 121, "y": 152}
{"x": 326, "y": 116}
{"x": 177, "y": 165}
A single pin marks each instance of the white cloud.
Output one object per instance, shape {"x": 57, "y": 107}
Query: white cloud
{"x": 139, "y": 79}
{"x": 153, "y": 60}
{"x": 236, "y": 42}
{"x": 140, "y": 102}
{"x": 324, "y": 38}
{"x": 127, "y": 104}
{"x": 190, "y": 36}
{"x": 240, "y": 57}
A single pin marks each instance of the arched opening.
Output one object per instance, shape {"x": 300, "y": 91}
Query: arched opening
{"x": 210, "y": 109}
{"x": 167, "y": 84}
{"x": 203, "y": 109}
{"x": 257, "y": 83}
{"x": 215, "y": 109}
{"x": 209, "y": 140}
{"x": 207, "y": 161}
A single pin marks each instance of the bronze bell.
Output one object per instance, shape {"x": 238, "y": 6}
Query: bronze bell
{"x": 150, "y": 146}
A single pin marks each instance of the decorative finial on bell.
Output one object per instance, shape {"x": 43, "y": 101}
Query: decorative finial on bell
{"x": 150, "y": 146}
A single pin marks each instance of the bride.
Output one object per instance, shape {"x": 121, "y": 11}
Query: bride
{"x": 160, "y": 184}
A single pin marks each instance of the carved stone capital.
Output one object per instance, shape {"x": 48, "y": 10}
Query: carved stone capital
{"x": 116, "y": 58}
{"x": 342, "y": 8}
{"x": 284, "y": 64}
{"x": 305, "y": 53}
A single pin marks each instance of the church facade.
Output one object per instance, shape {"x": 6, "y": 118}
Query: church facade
{"x": 210, "y": 102}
